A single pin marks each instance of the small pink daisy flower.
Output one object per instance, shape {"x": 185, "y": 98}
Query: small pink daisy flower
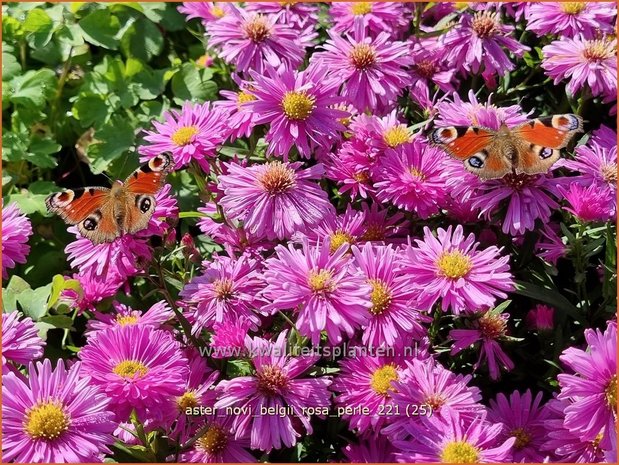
{"x": 16, "y": 229}
{"x": 589, "y": 204}
{"x": 411, "y": 177}
{"x": 296, "y": 14}
{"x": 54, "y": 416}
{"x": 523, "y": 418}
{"x": 455, "y": 439}
{"x": 550, "y": 245}
{"x": 541, "y": 318}
{"x": 366, "y": 381}
{"x": 591, "y": 388}
{"x": 583, "y": 62}
{"x": 156, "y": 316}
{"x": 452, "y": 269}
{"x": 393, "y": 318}
{"x": 489, "y": 329}
{"x": 226, "y": 291}
{"x": 429, "y": 66}
{"x": 192, "y": 134}
{"x": 205, "y": 11}
{"x": 91, "y": 289}
{"x": 138, "y": 367}
{"x": 370, "y": 69}
{"x": 229, "y": 339}
{"x": 252, "y": 41}
{"x": 277, "y": 383}
{"x": 380, "y": 225}
{"x": 377, "y": 17}
{"x": 337, "y": 229}
{"x": 569, "y": 19}
{"x": 274, "y": 200}
{"x": 242, "y": 118}
{"x": 299, "y": 107}
{"x": 442, "y": 392}
{"x": 21, "y": 343}
{"x": 326, "y": 290}
{"x": 351, "y": 168}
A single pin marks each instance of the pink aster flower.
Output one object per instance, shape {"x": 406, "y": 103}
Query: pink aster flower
{"x": 328, "y": 293}
{"x": 370, "y": 450}
{"x": 277, "y": 383}
{"x": 192, "y": 134}
{"x": 205, "y": 11}
{"x": 583, "y": 62}
{"x": 218, "y": 443}
{"x": 381, "y": 134}
{"x": 541, "y": 318}
{"x": 380, "y": 225}
{"x": 296, "y": 14}
{"x": 346, "y": 228}
{"x": 451, "y": 268}
{"x": 569, "y": 19}
{"x": 21, "y": 343}
{"x": 487, "y": 330}
{"x": 455, "y": 439}
{"x": 365, "y": 381}
{"x": 16, "y": 230}
{"x": 138, "y": 367}
{"x": 411, "y": 178}
{"x": 589, "y": 204}
{"x": 226, "y": 291}
{"x": 376, "y": 17}
{"x": 523, "y": 418}
{"x": 478, "y": 43}
{"x": 351, "y": 168}
{"x": 591, "y": 388}
{"x": 429, "y": 66}
{"x": 54, "y": 416}
{"x": 299, "y": 107}
{"x": 156, "y": 316}
{"x": 442, "y": 392}
{"x": 252, "y": 41}
{"x": 275, "y": 199}
{"x": 242, "y": 118}
{"x": 550, "y": 245}
{"x": 91, "y": 289}
{"x": 393, "y": 318}
{"x": 229, "y": 339}
{"x": 370, "y": 69}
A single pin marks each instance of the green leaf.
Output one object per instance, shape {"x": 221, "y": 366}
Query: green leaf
{"x": 113, "y": 140}
{"x": 549, "y": 296}
{"x": 33, "y": 88}
{"x": 40, "y": 150}
{"x": 148, "y": 84}
{"x": 58, "y": 321}
{"x": 9, "y": 294}
{"x": 10, "y": 67}
{"x": 101, "y": 28}
{"x": 29, "y": 203}
{"x": 39, "y": 28}
{"x": 70, "y": 34}
{"x": 91, "y": 110}
{"x": 192, "y": 83}
{"x": 34, "y": 301}
{"x": 143, "y": 40}
{"x": 59, "y": 284}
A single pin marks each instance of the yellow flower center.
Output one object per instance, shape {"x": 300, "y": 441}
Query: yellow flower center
{"x": 339, "y": 238}
{"x": 382, "y": 378}
{"x": 183, "y": 136}
{"x": 361, "y": 8}
{"x": 187, "y": 400}
{"x": 362, "y": 56}
{"x": 213, "y": 441}
{"x": 380, "y": 296}
{"x": 522, "y": 438}
{"x": 277, "y": 178}
{"x": 257, "y": 29}
{"x": 223, "y": 289}
{"x": 453, "y": 264}
{"x": 271, "y": 380}
{"x": 46, "y": 421}
{"x": 362, "y": 177}
{"x": 572, "y": 8}
{"x": 417, "y": 173}
{"x": 485, "y": 24}
{"x": 459, "y": 452}
{"x": 298, "y": 106}
{"x": 126, "y": 320}
{"x": 609, "y": 172}
{"x": 436, "y": 401}
{"x": 611, "y": 393}
{"x": 320, "y": 281}
{"x": 396, "y": 135}
{"x": 598, "y": 50}
{"x": 373, "y": 232}
{"x": 218, "y": 12}
{"x": 131, "y": 369}
{"x": 492, "y": 326}
{"x": 244, "y": 97}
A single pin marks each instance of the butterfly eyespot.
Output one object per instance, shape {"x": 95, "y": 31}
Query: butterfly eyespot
{"x": 545, "y": 153}
{"x": 145, "y": 204}
{"x": 89, "y": 224}
{"x": 476, "y": 162}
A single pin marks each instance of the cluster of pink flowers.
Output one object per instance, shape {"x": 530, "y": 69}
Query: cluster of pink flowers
{"x": 340, "y": 227}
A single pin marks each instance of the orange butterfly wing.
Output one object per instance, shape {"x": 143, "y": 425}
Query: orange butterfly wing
{"x": 74, "y": 206}
{"x": 149, "y": 178}
{"x": 461, "y": 141}
{"x": 553, "y": 132}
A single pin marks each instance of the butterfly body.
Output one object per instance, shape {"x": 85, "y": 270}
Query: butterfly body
{"x": 103, "y": 214}
{"x": 530, "y": 148}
